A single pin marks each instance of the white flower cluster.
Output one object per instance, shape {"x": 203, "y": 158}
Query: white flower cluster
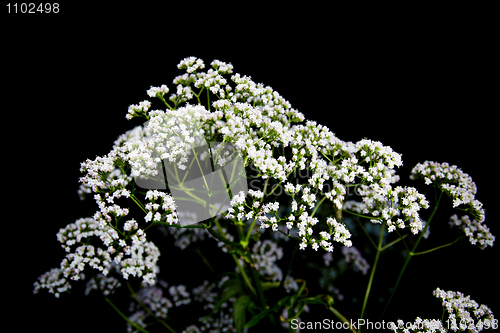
{"x": 138, "y": 318}
{"x": 273, "y": 139}
{"x": 106, "y": 284}
{"x": 183, "y": 94}
{"x": 167, "y": 204}
{"x": 337, "y": 232}
{"x": 102, "y": 174}
{"x": 153, "y": 298}
{"x": 220, "y": 319}
{"x": 221, "y": 244}
{"x": 453, "y": 181}
{"x": 170, "y": 135}
{"x": 54, "y": 282}
{"x": 132, "y": 254}
{"x": 477, "y": 232}
{"x": 260, "y": 123}
{"x": 265, "y": 254}
{"x": 191, "y": 64}
{"x": 205, "y": 294}
{"x": 372, "y": 165}
{"x": 419, "y": 326}
{"x": 139, "y": 110}
{"x": 267, "y": 215}
{"x": 394, "y": 206}
{"x": 179, "y": 295}
{"x": 155, "y": 91}
{"x": 352, "y": 255}
{"x": 464, "y": 313}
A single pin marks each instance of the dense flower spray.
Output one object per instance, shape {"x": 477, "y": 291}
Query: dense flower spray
{"x": 304, "y": 177}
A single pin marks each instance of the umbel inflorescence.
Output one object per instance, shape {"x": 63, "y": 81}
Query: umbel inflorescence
{"x": 276, "y": 144}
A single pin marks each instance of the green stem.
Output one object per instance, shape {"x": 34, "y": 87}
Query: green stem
{"x": 244, "y": 274}
{"x": 406, "y": 245}
{"x": 208, "y": 100}
{"x": 125, "y": 317}
{"x": 161, "y": 321}
{"x": 361, "y": 215}
{"x": 370, "y": 281}
{"x": 205, "y": 260}
{"x": 264, "y": 191}
{"x": 394, "y": 242}
{"x": 222, "y": 239}
{"x": 411, "y": 254}
{"x": 341, "y": 317}
{"x": 115, "y": 308}
{"x": 260, "y": 291}
{"x": 436, "y": 248}
{"x": 134, "y": 198}
{"x": 367, "y": 234}
{"x": 235, "y": 258}
{"x": 317, "y": 206}
{"x": 164, "y": 101}
{"x": 292, "y": 237}
{"x": 249, "y": 233}
{"x": 282, "y": 283}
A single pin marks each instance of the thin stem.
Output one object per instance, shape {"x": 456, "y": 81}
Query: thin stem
{"x": 161, "y": 321}
{"x": 223, "y": 239}
{"x": 317, "y": 206}
{"x": 282, "y": 283}
{"x": 202, "y": 173}
{"x": 115, "y": 308}
{"x": 436, "y": 248}
{"x": 208, "y": 99}
{"x": 198, "y": 95}
{"x": 125, "y": 317}
{"x": 205, "y": 260}
{"x": 164, "y": 101}
{"x": 368, "y": 288}
{"x": 326, "y": 157}
{"x": 138, "y": 203}
{"x": 401, "y": 238}
{"x": 235, "y": 258}
{"x": 249, "y": 233}
{"x": 341, "y": 317}
{"x": 287, "y": 235}
{"x": 244, "y": 274}
{"x": 367, "y": 234}
{"x": 406, "y": 245}
{"x": 411, "y": 253}
{"x": 264, "y": 191}
{"x": 260, "y": 291}
{"x": 360, "y": 215}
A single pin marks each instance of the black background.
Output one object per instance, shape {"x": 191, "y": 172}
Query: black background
{"x": 426, "y": 89}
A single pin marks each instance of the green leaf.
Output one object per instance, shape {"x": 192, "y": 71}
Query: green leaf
{"x": 269, "y": 285}
{"x": 329, "y": 300}
{"x": 239, "y": 311}
{"x": 297, "y": 295}
{"x": 255, "y": 319}
{"x": 228, "y": 289}
{"x": 319, "y": 299}
{"x": 281, "y": 303}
